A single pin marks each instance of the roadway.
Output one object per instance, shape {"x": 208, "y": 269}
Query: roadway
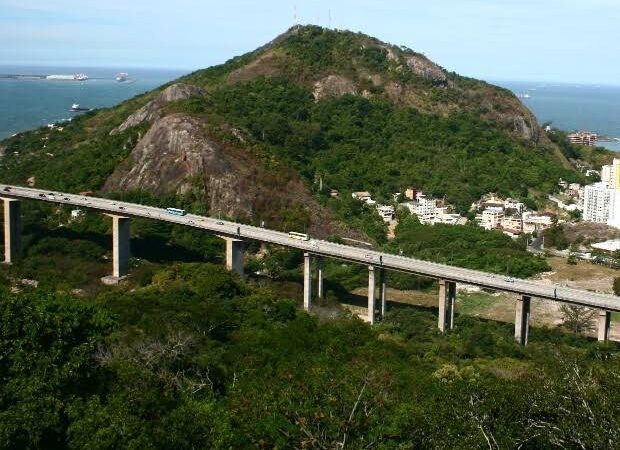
{"x": 325, "y": 248}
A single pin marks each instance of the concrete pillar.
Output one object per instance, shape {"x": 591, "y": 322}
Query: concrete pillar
{"x": 372, "y": 294}
{"x": 307, "y": 282}
{"x": 235, "y": 249}
{"x": 121, "y": 237}
{"x": 320, "y": 286}
{"x": 447, "y": 300}
{"x": 604, "y": 325}
{"x": 383, "y": 288}
{"x": 12, "y": 230}
{"x": 522, "y": 319}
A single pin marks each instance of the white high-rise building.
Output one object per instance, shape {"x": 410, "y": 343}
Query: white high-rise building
{"x": 425, "y": 208}
{"x": 597, "y": 202}
{"x": 601, "y": 201}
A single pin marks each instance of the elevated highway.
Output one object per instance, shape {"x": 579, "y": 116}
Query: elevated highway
{"x": 378, "y": 262}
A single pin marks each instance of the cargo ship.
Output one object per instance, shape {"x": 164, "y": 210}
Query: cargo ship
{"x": 77, "y": 108}
{"x": 74, "y": 77}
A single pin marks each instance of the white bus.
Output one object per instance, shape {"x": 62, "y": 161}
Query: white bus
{"x": 298, "y": 236}
{"x": 176, "y": 211}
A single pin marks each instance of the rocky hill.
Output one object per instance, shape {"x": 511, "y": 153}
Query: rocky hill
{"x": 251, "y": 138}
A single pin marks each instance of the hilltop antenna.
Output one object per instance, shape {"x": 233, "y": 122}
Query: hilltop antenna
{"x": 295, "y": 21}
{"x": 329, "y": 20}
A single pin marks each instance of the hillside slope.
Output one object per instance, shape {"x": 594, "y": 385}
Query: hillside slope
{"x": 251, "y": 138}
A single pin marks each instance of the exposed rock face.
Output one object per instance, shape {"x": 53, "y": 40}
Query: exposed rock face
{"x": 176, "y": 155}
{"x": 333, "y": 86}
{"x": 180, "y": 91}
{"x": 151, "y": 111}
{"x": 525, "y": 127}
{"x": 422, "y": 66}
{"x": 171, "y": 156}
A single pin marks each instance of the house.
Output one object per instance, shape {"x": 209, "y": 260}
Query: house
{"x": 514, "y": 204}
{"x": 535, "y": 222}
{"x": 450, "y": 219}
{"x": 490, "y": 218}
{"x": 362, "y": 195}
{"x": 386, "y": 212}
{"x": 334, "y": 193}
{"x": 583, "y": 138}
{"x": 425, "y": 208}
{"x": 512, "y": 225}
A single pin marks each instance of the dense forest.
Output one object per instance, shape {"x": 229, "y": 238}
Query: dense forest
{"x": 187, "y": 355}
{"x": 197, "y": 358}
{"x": 360, "y": 144}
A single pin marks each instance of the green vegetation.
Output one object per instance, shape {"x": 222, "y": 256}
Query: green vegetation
{"x": 594, "y": 156}
{"x": 199, "y": 359}
{"x": 357, "y": 144}
{"x": 556, "y": 237}
{"x": 466, "y": 246}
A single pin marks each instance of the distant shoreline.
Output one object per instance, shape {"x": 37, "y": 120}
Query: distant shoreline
{"x": 30, "y": 100}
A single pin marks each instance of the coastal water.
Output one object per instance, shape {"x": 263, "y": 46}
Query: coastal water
{"x": 31, "y": 103}
{"x": 574, "y": 107}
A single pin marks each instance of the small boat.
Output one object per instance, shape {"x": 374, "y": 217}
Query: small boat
{"x": 526, "y": 95}
{"x": 123, "y": 76}
{"x": 77, "y": 108}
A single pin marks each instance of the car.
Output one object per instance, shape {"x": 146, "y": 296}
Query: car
{"x": 219, "y": 222}
{"x": 42, "y": 195}
{"x": 298, "y": 236}
{"x": 121, "y": 207}
{"x": 6, "y": 189}
{"x": 510, "y": 280}
{"x": 66, "y": 198}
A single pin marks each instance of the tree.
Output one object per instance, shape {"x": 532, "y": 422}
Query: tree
{"x": 617, "y": 286}
{"x": 578, "y": 319}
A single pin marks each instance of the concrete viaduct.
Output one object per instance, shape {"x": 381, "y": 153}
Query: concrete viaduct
{"x": 236, "y": 234}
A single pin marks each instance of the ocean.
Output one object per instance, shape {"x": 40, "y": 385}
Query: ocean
{"x": 27, "y": 104}
{"x": 30, "y": 103}
{"x": 574, "y": 107}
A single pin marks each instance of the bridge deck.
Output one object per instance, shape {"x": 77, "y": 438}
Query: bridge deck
{"x": 327, "y": 249}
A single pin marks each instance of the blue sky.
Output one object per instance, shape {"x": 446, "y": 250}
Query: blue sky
{"x": 546, "y": 40}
